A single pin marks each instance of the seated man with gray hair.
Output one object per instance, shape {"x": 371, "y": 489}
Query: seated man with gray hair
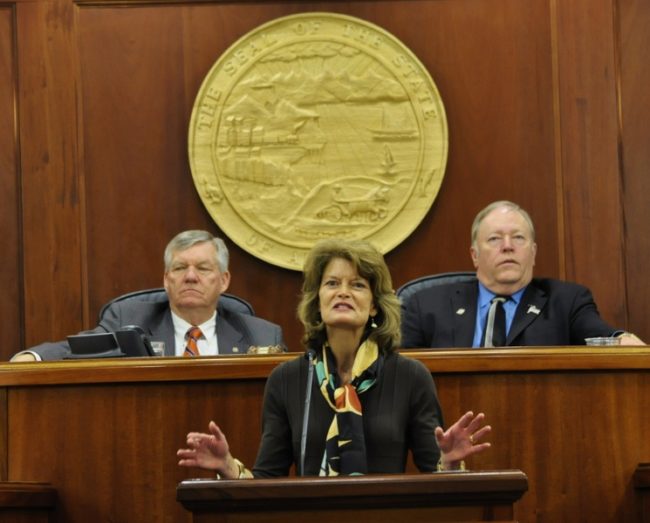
{"x": 191, "y": 321}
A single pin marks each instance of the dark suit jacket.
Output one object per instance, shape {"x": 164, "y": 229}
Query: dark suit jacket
{"x": 551, "y": 312}
{"x": 235, "y": 332}
{"x": 400, "y": 413}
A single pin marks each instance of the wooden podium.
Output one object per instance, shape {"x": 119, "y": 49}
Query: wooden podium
{"x": 444, "y": 496}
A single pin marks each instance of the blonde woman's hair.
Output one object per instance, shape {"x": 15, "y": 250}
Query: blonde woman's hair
{"x": 370, "y": 265}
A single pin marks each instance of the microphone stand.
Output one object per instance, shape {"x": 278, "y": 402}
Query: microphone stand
{"x": 305, "y": 418}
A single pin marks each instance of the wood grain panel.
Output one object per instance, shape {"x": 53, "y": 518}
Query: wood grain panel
{"x": 575, "y": 421}
{"x": 642, "y": 487}
{"x": 589, "y": 139}
{"x": 11, "y": 306}
{"x": 497, "y": 88}
{"x": 27, "y": 502}
{"x": 634, "y": 47}
{"x": 555, "y": 407}
{"x": 136, "y": 430}
{"x": 51, "y": 217}
{"x": 139, "y": 90}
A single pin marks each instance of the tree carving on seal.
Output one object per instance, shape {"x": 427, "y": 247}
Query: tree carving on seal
{"x": 314, "y": 126}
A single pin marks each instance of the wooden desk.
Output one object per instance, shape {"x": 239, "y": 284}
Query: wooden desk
{"x": 448, "y": 496}
{"x": 27, "y": 502}
{"x": 105, "y": 434}
{"x": 641, "y": 481}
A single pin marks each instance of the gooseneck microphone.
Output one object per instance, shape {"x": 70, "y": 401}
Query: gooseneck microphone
{"x": 310, "y": 354}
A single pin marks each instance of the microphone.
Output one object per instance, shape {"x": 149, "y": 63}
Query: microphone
{"x": 310, "y": 354}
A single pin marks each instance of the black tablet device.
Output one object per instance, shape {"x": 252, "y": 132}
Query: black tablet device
{"x": 97, "y": 345}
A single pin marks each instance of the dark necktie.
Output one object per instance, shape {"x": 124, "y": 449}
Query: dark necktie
{"x": 192, "y": 347}
{"x": 494, "y": 334}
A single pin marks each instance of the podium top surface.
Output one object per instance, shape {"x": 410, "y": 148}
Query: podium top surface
{"x": 435, "y": 489}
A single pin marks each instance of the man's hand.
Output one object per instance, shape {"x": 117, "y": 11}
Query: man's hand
{"x": 23, "y": 356}
{"x": 627, "y": 338}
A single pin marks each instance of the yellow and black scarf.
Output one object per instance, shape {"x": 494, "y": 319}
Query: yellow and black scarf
{"x": 345, "y": 448}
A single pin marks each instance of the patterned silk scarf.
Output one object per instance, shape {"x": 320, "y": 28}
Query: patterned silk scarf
{"x": 345, "y": 448}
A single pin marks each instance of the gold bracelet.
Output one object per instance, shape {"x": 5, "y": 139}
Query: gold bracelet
{"x": 244, "y": 473}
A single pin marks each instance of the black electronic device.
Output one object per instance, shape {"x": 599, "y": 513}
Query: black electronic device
{"x": 134, "y": 342}
{"x": 95, "y": 345}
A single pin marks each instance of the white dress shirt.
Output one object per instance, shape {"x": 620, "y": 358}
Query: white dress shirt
{"x": 208, "y": 343}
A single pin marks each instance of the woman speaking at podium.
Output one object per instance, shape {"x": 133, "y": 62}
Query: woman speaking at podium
{"x": 351, "y": 404}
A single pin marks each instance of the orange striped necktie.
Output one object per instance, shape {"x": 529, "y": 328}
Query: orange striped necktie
{"x": 192, "y": 347}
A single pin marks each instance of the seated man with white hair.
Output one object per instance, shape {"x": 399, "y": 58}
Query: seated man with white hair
{"x": 191, "y": 321}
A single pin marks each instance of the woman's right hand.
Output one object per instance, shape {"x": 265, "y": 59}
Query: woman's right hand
{"x": 209, "y": 451}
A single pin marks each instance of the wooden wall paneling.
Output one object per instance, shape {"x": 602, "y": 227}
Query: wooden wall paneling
{"x": 11, "y": 306}
{"x": 497, "y": 89}
{"x": 27, "y": 502}
{"x": 51, "y": 217}
{"x": 555, "y": 407}
{"x": 142, "y": 427}
{"x": 642, "y": 487}
{"x": 589, "y": 138}
{"x": 141, "y": 69}
{"x": 634, "y": 48}
{"x": 134, "y": 122}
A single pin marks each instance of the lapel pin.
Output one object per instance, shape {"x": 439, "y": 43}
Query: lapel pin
{"x": 460, "y": 311}
{"x": 533, "y": 309}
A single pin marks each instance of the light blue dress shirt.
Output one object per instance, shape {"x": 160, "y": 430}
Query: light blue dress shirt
{"x": 484, "y": 298}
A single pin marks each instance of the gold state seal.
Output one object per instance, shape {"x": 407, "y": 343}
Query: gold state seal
{"x": 312, "y": 126}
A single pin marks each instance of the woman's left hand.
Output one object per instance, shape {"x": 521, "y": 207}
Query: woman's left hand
{"x": 462, "y": 439}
